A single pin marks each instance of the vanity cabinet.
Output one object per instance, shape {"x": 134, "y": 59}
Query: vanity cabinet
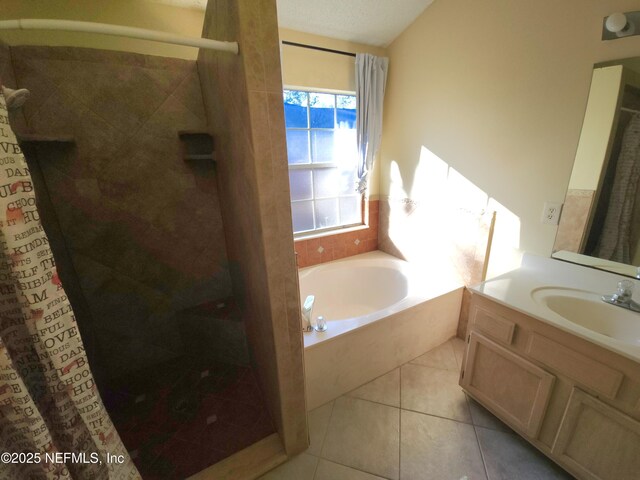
{"x": 597, "y": 440}
{"x": 514, "y": 387}
{"x": 575, "y": 401}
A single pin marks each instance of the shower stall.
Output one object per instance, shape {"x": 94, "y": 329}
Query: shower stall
{"x": 181, "y": 277}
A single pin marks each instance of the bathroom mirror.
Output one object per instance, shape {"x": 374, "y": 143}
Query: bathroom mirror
{"x": 600, "y": 222}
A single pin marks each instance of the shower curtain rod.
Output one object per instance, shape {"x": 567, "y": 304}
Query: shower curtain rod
{"x": 118, "y": 30}
{"x": 322, "y": 49}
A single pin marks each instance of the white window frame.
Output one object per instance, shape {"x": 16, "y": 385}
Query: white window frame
{"x": 319, "y": 166}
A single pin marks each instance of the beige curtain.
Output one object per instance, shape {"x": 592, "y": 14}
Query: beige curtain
{"x": 53, "y": 424}
{"x": 371, "y": 81}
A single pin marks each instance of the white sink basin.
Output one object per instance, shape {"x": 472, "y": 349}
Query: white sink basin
{"x": 589, "y": 311}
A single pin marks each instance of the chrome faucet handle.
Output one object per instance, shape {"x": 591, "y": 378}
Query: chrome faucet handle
{"x": 625, "y": 291}
{"x": 321, "y": 324}
{"x": 622, "y": 297}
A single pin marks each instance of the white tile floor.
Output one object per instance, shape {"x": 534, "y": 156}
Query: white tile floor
{"x": 414, "y": 423}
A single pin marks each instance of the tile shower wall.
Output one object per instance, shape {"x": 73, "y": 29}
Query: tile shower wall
{"x": 142, "y": 228}
{"x": 6, "y": 69}
{"x": 340, "y": 245}
{"x": 243, "y": 100}
{"x": 452, "y": 243}
{"x": 449, "y": 241}
{"x": 575, "y": 219}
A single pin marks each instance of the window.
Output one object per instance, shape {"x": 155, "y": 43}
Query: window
{"x": 323, "y": 167}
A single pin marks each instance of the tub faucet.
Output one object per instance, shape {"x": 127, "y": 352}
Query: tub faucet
{"x": 307, "y": 310}
{"x": 622, "y": 298}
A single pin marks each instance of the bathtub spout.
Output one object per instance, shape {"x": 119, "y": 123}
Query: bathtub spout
{"x": 307, "y": 310}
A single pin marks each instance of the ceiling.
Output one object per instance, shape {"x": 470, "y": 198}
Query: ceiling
{"x": 372, "y": 22}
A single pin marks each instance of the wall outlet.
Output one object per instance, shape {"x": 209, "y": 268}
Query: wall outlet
{"x": 551, "y": 213}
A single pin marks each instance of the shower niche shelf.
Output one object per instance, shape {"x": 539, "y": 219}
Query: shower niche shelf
{"x": 36, "y": 137}
{"x": 196, "y": 145}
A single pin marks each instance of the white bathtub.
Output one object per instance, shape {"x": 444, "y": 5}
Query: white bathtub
{"x": 381, "y": 312}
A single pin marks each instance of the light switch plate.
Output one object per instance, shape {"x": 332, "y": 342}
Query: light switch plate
{"x": 551, "y": 213}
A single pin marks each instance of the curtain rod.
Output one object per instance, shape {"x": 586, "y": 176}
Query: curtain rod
{"x": 321, "y": 49}
{"x": 118, "y": 30}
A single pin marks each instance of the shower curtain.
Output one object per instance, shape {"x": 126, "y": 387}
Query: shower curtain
{"x": 614, "y": 243}
{"x": 53, "y": 424}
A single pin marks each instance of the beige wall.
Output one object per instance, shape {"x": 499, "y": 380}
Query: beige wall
{"x": 302, "y": 67}
{"x": 138, "y": 13}
{"x": 497, "y": 90}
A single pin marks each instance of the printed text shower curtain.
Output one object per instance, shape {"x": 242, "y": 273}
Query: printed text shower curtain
{"x": 50, "y": 409}
{"x": 615, "y": 239}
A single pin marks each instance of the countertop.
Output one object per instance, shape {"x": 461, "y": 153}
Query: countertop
{"x": 514, "y": 289}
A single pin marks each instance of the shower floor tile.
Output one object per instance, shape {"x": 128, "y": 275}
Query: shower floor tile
{"x": 193, "y": 420}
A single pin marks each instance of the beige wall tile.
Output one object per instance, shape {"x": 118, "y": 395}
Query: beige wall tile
{"x": 6, "y": 69}
{"x": 574, "y": 221}
{"x": 250, "y": 132}
{"x": 464, "y": 314}
{"x": 157, "y": 238}
{"x": 456, "y": 242}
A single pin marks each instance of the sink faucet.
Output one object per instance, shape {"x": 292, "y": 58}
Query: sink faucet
{"x": 622, "y": 298}
{"x": 307, "y": 310}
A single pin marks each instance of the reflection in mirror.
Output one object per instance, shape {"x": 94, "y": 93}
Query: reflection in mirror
{"x": 600, "y": 223}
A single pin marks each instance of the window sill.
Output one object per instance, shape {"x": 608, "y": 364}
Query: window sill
{"x": 312, "y": 235}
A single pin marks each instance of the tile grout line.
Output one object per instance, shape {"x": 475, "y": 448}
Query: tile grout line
{"x": 411, "y": 362}
{"x": 400, "y": 412}
{"x": 484, "y": 462}
{"x": 326, "y": 431}
{"x": 371, "y": 381}
{"x": 321, "y": 455}
{"x": 349, "y": 466}
{"x": 400, "y": 424}
{"x": 455, "y": 357}
{"x": 475, "y": 432}
{"x": 315, "y": 470}
{"x": 429, "y": 414}
{"x": 437, "y": 346}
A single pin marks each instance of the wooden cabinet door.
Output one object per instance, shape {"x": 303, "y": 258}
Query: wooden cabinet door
{"x": 597, "y": 441}
{"x": 515, "y": 390}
